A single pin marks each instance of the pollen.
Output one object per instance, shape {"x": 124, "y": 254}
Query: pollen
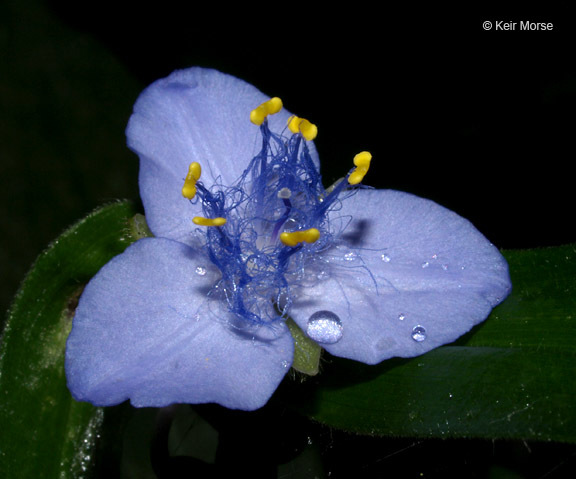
{"x": 292, "y": 239}
{"x": 201, "y": 221}
{"x": 259, "y": 114}
{"x": 189, "y": 188}
{"x": 301, "y": 125}
{"x": 362, "y": 163}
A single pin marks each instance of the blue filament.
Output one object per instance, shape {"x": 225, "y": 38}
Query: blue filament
{"x": 257, "y": 269}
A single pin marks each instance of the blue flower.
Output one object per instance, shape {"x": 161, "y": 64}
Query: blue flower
{"x": 250, "y": 237}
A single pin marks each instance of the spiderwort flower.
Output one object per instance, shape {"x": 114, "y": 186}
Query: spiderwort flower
{"x": 245, "y": 236}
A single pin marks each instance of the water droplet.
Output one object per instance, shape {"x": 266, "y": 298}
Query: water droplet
{"x": 434, "y": 256}
{"x": 350, "y": 256}
{"x": 445, "y": 267}
{"x": 401, "y": 316}
{"x": 425, "y": 264}
{"x": 285, "y": 364}
{"x": 324, "y": 327}
{"x": 418, "y": 333}
{"x": 201, "y": 271}
{"x": 385, "y": 258}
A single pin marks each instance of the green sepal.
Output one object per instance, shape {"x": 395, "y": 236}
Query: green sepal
{"x": 306, "y": 352}
{"x": 138, "y": 228}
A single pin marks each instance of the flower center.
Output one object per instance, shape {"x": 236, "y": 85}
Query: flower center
{"x": 271, "y": 224}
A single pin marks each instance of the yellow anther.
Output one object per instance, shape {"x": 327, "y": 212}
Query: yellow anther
{"x": 362, "y": 162}
{"x": 292, "y": 239}
{"x": 189, "y": 188}
{"x": 301, "y": 125}
{"x": 201, "y": 221}
{"x": 258, "y": 114}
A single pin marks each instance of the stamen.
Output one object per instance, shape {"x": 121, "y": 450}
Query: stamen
{"x": 292, "y": 239}
{"x": 189, "y": 188}
{"x": 362, "y": 162}
{"x": 258, "y": 248}
{"x": 259, "y": 114}
{"x": 331, "y": 188}
{"x": 301, "y": 125}
{"x": 201, "y": 221}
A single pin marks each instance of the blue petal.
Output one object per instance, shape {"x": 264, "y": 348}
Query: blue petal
{"x": 193, "y": 115}
{"x": 146, "y": 330}
{"x": 410, "y": 276}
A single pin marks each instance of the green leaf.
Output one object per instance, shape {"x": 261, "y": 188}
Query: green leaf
{"x": 511, "y": 377}
{"x": 45, "y": 433}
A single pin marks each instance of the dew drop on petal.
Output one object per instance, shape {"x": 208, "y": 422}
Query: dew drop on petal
{"x": 385, "y": 258}
{"x": 324, "y": 327}
{"x": 425, "y": 264}
{"x": 401, "y": 316}
{"x": 418, "y": 333}
{"x": 201, "y": 271}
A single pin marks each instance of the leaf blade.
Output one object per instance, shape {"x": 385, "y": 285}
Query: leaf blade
{"x": 47, "y": 433}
